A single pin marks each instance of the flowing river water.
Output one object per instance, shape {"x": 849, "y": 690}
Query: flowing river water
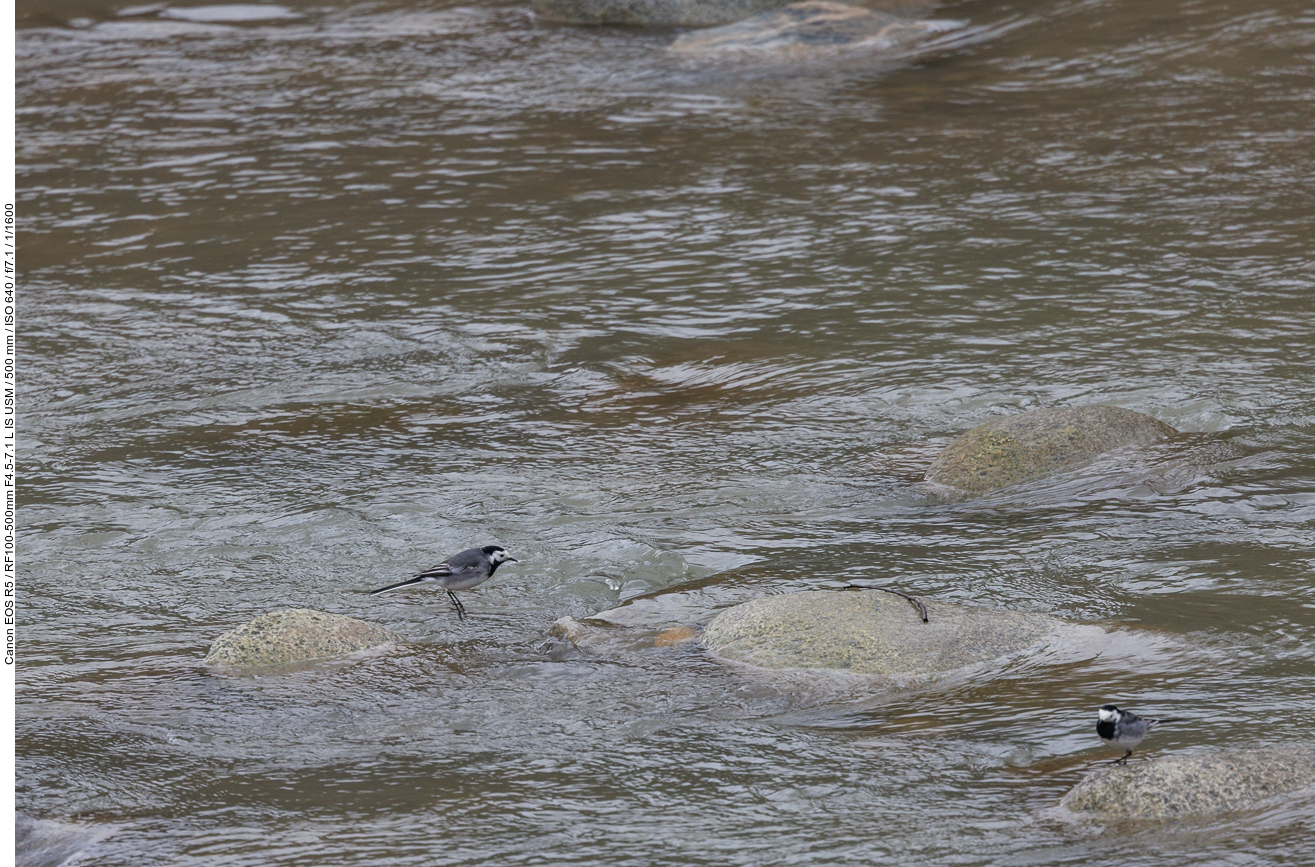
{"x": 310, "y": 302}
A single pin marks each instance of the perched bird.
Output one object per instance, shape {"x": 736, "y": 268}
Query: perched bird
{"x": 461, "y": 571}
{"x": 1125, "y": 728}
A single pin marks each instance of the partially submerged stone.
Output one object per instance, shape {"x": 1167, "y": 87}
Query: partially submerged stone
{"x": 651, "y": 13}
{"x": 1030, "y": 445}
{"x": 603, "y": 635}
{"x": 295, "y": 635}
{"x": 46, "y": 843}
{"x": 1180, "y": 786}
{"x": 870, "y": 632}
{"x": 569, "y": 629}
{"x": 675, "y": 635}
{"x": 811, "y": 27}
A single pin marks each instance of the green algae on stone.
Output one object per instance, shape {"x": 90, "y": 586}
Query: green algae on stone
{"x": 295, "y": 635}
{"x": 1179, "y": 786}
{"x": 809, "y": 27}
{"x": 875, "y": 633}
{"x": 653, "y": 13}
{"x": 1030, "y": 445}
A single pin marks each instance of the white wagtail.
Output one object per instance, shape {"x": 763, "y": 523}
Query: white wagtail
{"x": 461, "y": 571}
{"x": 1125, "y": 728}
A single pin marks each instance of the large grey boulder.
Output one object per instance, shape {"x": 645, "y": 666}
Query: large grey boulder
{"x": 1017, "y": 448}
{"x": 295, "y": 635}
{"x": 1192, "y": 785}
{"x": 870, "y": 632}
{"x": 671, "y": 13}
{"x": 809, "y": 28}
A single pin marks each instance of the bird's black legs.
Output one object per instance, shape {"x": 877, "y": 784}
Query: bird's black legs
{"x": 461, "y": 614}
{"x": 1122, "y": 761}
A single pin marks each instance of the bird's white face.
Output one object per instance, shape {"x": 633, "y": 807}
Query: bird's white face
{"x": 1109, "y": 714}
{"x": 500, "y": 556}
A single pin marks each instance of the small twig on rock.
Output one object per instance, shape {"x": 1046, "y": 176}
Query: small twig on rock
{"x": 917, "y": 603}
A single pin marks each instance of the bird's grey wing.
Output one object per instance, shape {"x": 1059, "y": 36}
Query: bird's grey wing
{"x": 465, "y": 572}
{"x": 472, "y": 558}
{"x": 442, "y": 570}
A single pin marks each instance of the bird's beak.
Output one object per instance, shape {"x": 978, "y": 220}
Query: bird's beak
{"x": 511, "y": 560}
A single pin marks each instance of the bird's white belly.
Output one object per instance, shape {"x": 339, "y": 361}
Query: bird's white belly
{"x": 461, "y": 582}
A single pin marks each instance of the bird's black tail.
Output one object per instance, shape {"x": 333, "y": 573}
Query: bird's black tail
{"x": 419, "y": 579}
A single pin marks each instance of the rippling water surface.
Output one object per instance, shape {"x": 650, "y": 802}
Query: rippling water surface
{"x": 314, "y": 300}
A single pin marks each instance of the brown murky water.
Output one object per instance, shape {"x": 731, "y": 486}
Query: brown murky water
{"x": 312, "y": 301}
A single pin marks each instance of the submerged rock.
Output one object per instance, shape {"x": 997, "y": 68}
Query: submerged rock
{"x": 602, "y": 636}
{"x": 810, "y": 27}
{"x": 1177, "y": 786}
{"x": 1017, "y": 448}
{"x": 871, "y": 632}
{"x": 650, "y": 13}
{"x": 45, "y": 843}
{"x": 295, "y": 635}
{"x": 675, "y": 635}
{"x": 569, "y": 629}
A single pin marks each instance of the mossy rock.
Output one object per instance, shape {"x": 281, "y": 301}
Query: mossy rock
{"x": 871, "y": 632}
{"x": 295, "y": 635}
{"x": 808, "y": 28}
{"x": 1017, "y": 448}
{"x": 1181, "y": 786}
{"x": 652, "y": 13}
